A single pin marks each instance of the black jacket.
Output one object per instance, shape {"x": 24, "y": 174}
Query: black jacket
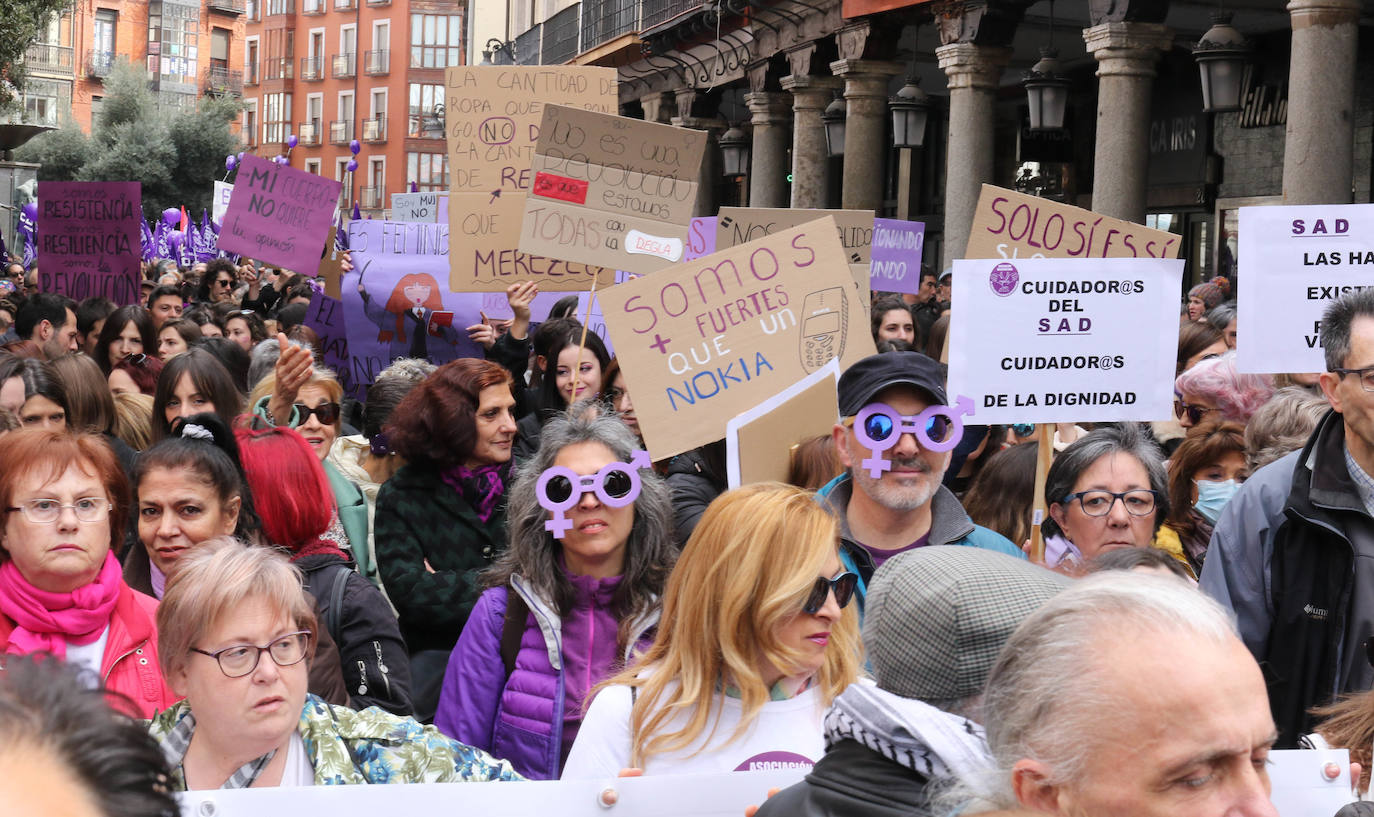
{"x": 694, "y": 484}
{"x": 1323, "y": 596}
{"x": 376, "y": 667}
{"x": 852, "y": 781}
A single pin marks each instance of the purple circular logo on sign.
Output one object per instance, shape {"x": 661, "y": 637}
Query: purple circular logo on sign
{"x": 1003, "y": 279}
{"x": 775, "y": 760}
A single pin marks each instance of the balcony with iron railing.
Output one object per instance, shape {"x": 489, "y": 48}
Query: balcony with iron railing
{"x": 234, "y": 7}
{"x": 657, "y": 12}
{"x": 308, "y": 133}
{"x": 277, "y": 68}
{"x": 560, "y": 41}
{"x": 344, "y": 65}
{"x": 374, "y": 130}
{"x": 375, "y": 3}
{"x": 377, "y": 63}
{"x": 220, "y": 80}
{"x": 250, "y": 74}
{"x": 345, "y": 5}
{"x": 314, "y": 8}
{"x": 370, "y": 198}
{"x": 99, "y": 63}
{"x": 312, "y": 68}
{"x": 50, "y": 58}
{"x": 605, "y": 20}
{"x": 340, "y": 131}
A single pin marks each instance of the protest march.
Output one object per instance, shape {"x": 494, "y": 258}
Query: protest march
{"x": 554, "y": 477}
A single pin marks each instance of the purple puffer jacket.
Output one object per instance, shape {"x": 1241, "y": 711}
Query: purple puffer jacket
{"x": 519, "y": 718}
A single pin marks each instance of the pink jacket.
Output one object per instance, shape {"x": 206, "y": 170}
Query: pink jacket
{"x": 129, "y": 666}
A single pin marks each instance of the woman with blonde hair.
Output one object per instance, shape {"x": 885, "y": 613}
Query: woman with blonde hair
{"x": 754, "y": 643}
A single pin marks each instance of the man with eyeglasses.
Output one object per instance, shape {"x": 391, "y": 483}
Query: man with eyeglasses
{"x": 905, "y": 506}
{"x": 1292, "y": 554}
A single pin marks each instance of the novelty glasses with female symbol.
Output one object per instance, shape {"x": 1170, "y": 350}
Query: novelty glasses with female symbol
{"x": 879, "y": 427}
{"x": 559, "y": 489}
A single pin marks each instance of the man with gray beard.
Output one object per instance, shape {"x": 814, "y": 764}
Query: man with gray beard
{"x": 905, "y": 506}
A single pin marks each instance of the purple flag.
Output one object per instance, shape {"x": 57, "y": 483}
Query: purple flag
{"x": 28, "y": 228}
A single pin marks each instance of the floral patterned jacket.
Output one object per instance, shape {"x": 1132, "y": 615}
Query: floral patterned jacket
{"x": 348, "y": 747}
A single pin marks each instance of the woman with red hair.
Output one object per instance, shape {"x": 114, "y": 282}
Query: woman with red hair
{"x": 442, "y": 517}
{"x": 294, "y": 501}
{"x": 412, "y": 317}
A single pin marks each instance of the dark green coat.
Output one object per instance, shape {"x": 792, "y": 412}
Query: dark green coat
{"x": 419, "y": 519}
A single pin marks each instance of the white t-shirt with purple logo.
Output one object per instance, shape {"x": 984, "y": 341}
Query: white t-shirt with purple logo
{"x": 785, "y": 735}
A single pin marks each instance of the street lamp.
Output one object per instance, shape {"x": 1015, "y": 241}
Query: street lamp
{"x": 833, "y": 119}
{"x": 1047, "y": 91}
{"x": 910, "y": 110}
{"x": 496, "y": 47}
{"x": 433, "y": 124}
{"x": 734, "y": 151}
{"x": 1221, "y": 56}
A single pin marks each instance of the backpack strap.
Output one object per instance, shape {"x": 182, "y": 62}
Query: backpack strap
{"x": 337, "y": 583}
{"x": 513, "y": 628}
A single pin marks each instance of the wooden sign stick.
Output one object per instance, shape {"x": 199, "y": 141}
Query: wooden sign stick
{"x": 1042, "y": 469}
{"x": 582, "y": 343}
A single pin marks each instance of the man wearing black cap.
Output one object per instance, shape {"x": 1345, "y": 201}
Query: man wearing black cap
{"x": 905, "y": 507}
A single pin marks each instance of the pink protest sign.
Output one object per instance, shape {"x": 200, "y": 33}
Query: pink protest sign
{"x": 277, "y": 214}
{"x": 88, "y": 239}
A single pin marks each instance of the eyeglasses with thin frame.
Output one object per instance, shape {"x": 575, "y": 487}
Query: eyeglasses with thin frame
{"x": 1138, "y": 502}
{"x": 1366, "y": 376}
{"x": 1195, "y": 412}
{"x": 47, "y": 511}
{"x": 327, "y": 412}
{"x": 238, "y": 660}
{"x": 842, "y": 586}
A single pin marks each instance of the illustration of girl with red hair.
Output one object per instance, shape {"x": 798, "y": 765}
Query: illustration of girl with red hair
{"x": 413, "y": 317}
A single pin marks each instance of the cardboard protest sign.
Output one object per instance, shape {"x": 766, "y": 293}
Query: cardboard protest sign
{"x": 1067, "y": 345}
{"x": 496, "y": 308}
{"x": 492, "y": 113}
{"x": 1008, "y": 224}
{"x": 611, "y": 191}
{"x": 395, "y": 302}
{"x": 422, "y": 207}
{"x": 89, "y": 239}
{"x": 706, "y": 339}
{"x": 219, "y": 204}
{"x": 737, "y": 225}
{"x": 895, "y": 264}
{"x": 759, "y": 442}
{"x": 277, "y": 214}
{"x": 701, "y": 238}
{"x": 1293, "y": 262}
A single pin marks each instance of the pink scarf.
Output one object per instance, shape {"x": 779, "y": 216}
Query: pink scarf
{"x": 47, "y": 622}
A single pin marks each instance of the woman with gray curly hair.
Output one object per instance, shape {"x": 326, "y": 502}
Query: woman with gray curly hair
{"x": 567, "y": 603}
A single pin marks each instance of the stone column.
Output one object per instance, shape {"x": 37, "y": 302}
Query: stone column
{"x": 972, "y": 73}
{"x": 660, "y": 107}
{"x": 810, "y": 157}
{"x": 706, "y": 204}
{"x": 1126, "y": 55}
{"x": 865, "y": 132}
{"x": 1319, "y": 143}
{"x": 769, "y": 114}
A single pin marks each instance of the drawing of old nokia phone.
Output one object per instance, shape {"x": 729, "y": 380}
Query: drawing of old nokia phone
{"x": 825, "y": 315}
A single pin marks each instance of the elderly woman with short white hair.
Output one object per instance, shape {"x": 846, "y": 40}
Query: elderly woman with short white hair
{"x": 238, "y": 633}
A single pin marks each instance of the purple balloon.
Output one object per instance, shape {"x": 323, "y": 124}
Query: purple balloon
{"x": 240, "y": 156}
{"x": 230, "y": 161}
{"x": 352, "y": 165}
{"x": 171, "y": 217}
{"x": 354, "y": 147}
{"x": 292, "y": 141}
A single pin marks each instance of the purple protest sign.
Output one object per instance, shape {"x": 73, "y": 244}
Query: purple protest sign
{"x": 88, "y": 239}
{"x": 701, "y": 238}
{"x": 277, "y": 214}
{"x": 896, "y": 261}
{"x": 326, "y": 316}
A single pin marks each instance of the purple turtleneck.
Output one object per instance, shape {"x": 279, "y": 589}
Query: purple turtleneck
{"x": 589, "y": 647}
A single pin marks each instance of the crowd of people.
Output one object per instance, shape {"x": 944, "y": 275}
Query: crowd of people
{"x": 477, "y": 573}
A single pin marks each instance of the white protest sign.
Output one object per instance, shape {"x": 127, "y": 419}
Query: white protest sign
{"x": 220, "y": 203}
{"x": 720, "y": 795}
{"x": 423, "y": 207}
{"x": 1300, "y": 786}
{"x": 1293, "y": 262}
{"x": 1049, "y": 340}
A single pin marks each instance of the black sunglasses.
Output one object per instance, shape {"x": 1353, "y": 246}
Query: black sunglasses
{"x": 224, "y": 282}
{"x": 327, "y": 412}
{"x": 843, "y": 585}
{"x": 1195, "y": 413}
